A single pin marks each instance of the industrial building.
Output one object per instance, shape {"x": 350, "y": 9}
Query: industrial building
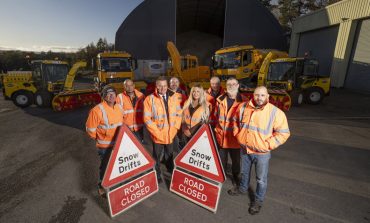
{"x": 197, "y": 27}
{"x": 339, "y": 37}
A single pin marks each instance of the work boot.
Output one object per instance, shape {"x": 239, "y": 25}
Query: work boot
{"x": 255, "y": 207}
{"x": 159, "y": 180}
{"x": 235, "y": 191}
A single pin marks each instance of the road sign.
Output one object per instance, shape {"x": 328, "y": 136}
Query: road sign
{"x": 200, "y": 156}
{"x": 195, "y": 189}
{"x": 132, "y": 193}
{"x": 128, "y": 159}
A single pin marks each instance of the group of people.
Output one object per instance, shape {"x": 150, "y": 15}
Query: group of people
{"x": 245, "y": 130}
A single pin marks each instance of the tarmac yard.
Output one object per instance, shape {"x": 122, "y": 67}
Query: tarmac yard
{"x": 49, "y": 170}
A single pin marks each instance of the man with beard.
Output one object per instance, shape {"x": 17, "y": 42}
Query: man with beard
{"x": 260, "y": 127}
{"x": 226, "y": 109}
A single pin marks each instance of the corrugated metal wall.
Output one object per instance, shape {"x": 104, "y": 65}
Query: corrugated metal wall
{"x": 358, "y": 76}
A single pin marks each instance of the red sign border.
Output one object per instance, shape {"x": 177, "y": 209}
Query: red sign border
{"x": 106, "y": 183}
{"x": 138, "y": 202}
{"x": 218, "y": 185}
{"x": 215, "y": 154}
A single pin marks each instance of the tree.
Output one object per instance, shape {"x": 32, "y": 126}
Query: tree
{"x": 266, "y": 3}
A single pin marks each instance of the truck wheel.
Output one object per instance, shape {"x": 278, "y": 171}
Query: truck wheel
{"x": 22, "y": 98}
{"x": 297, "y": 98}
{"x": 43, "y": 99}
{"x": 314, "y": 96}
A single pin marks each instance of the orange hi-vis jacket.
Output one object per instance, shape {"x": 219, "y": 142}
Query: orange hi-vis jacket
{"x": 191, "y": 121}
{"x": 132, "y": 114}
{"x": 260, "y": 130}
{"x": 212, "y": 101}
{"x": 103, "y": 124}
{"x": 226, "y": 121}
{"x": 162, "y": 128}
{"x": 182, "y": 96}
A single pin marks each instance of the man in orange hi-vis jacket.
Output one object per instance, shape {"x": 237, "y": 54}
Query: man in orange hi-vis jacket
{"x": 261, "y": 127}
{"x": 212, "y": 94}
{"x": 131, "y": 101}
{"x": 162, "y": 118}
{"x": 102, "y": 125}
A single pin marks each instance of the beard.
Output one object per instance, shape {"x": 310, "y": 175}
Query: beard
{"x": 260, "y": 103}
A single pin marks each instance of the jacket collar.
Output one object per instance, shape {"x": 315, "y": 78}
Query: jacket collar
{"x": 222, "y": 97}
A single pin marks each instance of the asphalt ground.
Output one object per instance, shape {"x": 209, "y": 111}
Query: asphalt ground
{"x": 49, "y": 170}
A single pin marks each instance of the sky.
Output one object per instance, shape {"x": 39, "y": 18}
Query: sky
{"x": 60, "y": 25}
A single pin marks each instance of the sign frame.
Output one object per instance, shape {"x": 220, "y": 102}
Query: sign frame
{"x": 137, "y": 202}
{"x": 106, "y": 182}
{"x": 177, "y": 161}
{"x": 217, "y": 185}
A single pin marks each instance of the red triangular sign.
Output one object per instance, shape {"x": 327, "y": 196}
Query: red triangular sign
{"x": 129, "y": 158}
{"x": 200, "y": 156}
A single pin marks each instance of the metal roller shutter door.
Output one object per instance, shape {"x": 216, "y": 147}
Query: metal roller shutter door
{"x": 358, "y": 76}
{"x": 321, "y": 45}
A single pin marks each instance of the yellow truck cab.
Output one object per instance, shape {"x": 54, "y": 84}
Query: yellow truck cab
{"x": 300, "y": 77}
{"x": 114, "y": 67}
{"x": 237, "y": 61}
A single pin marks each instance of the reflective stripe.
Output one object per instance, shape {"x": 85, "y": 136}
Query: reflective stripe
{"x": 159, "y": 116}
{"x": 110, "y": 126}
{"x": 148, "y": 114}
{"x": 90, "y": 129}
{"x": 121, "y": 99}
{"x": 242, "y": 112}
{"x": 282, "y": 130}
{"x": 277, "y": 142}
{"x": 128, "y": 111}
{"x": 105, "y": 142}
{"x": 148, "y": 122}
{"x": 178, "y": 107}
{"x": 268, "y": 129}
{"x": 222, "y": 118}
{"x": 227, "y": 129}
{"x": 135, "y": 125}
{"x": 165, "y": 125}
{"x": 105, "y": 118}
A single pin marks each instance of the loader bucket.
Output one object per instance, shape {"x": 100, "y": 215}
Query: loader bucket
{"x": 279, "y": 98}
{"x": 70, "y": 100}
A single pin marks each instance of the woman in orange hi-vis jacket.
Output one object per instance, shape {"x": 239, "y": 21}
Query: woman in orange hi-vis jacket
{"x": 226, "y": 108}
{"x": 162, "y": 118}
{"x": 131, "y": 101}
{"x": 260, "y": 128}
{"x": 195, "y": 112}
{"x": 102, "y": 125}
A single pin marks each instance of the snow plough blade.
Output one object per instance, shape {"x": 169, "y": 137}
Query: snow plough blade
{"x": 279, "y": 98}
{"x": 69, "y": 100}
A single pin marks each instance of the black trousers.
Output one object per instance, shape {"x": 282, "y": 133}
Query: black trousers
{"x": 164, "y": 151}
{"x": 235, "y": 163}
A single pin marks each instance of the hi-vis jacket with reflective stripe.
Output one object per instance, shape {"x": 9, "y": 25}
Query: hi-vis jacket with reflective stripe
{"x": 226, "y": 121}
{"x": 260, "y": 130}
{"x": 162, "y": 129}
{"x": 103, "y": 124}
{"x": 191, "y": 122}
{"x": 132, "y": 115}
{"x": 212, "y": 101}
